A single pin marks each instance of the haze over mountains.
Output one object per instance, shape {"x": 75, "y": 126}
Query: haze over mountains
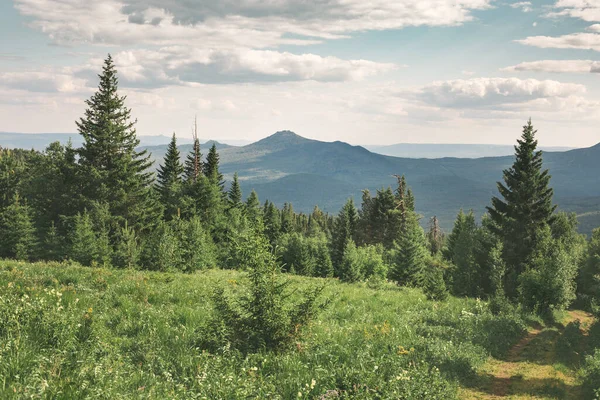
{"x": 285, "y": 167}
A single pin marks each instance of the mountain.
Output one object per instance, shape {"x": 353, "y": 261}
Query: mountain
{"x": 433, "y": 150}
{"x": 285, "y": 167}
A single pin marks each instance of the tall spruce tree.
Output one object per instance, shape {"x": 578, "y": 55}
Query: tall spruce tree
{"x": 169, "y": 182}
{"x": 211, "y": 167}
{"x": 343, "y": 233}
{"x": 435, "y": 236}
{"x": 17, "y": 231}
{"x": 524, "y": 209}
{"x": 114, "y": 171}
{"x": 235, "y": 193}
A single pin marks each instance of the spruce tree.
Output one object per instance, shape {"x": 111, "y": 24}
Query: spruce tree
{"x": 114, "y": 171}
{"x": 343, "y": 233}
{"x": 169, "y": 182}
{"x": 272, "y": 221}
{"x": 253, "y": 210}
{"x": 211, "y": 167}
{"x": 235, "y": 193}
{"x": 409, "y": 254}
{"x": 524, "y": 208}
{"x": 84, "y": 244}
{"x": 17, "y": 231}
{"x": 53, "y": 245}
{"x": 128, "y": 249}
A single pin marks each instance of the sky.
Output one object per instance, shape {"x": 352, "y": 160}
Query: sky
{"x": 365, "y": 72}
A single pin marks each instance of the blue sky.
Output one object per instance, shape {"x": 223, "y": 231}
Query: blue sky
{"x": 377, "y": 72}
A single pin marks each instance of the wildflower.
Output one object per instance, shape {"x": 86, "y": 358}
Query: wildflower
{"x": 312, "y": 384}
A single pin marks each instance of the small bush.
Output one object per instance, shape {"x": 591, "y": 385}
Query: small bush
{"x": 590, "y": 374}
{"x": 265, "y": 318}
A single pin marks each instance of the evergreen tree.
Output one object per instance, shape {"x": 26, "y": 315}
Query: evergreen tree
{"x": 84, "y": 245}
{"x": 211, "y": 167}
{"x": 128, "y": 249}
{"x": 410, "y": 253}
{"x": 350, "y": 268}
{"x": 53, "y": 245}
{"x": 323, "y": 264}
{"x": 198, "y": 250}
{"x": 253, "y": 210}
{"x": 169, "y": 182}
{"x": 343, "y": 233}
{"x": 17, "y": 231}
{"x": 434, "y": 285}
{"x": 272, "y": 222}
{"x": 525, "y": 208}
{"x": 235, "y": 193}
{"x": 466, "y": 275}
{"x": 114, "y": 171}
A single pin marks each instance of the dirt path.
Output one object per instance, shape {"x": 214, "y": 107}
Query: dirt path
{"x": 530, "y": 370}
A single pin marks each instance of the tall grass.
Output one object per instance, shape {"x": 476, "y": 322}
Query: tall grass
{"x": 74, "y": 332}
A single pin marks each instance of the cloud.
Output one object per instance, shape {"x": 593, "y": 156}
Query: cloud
{"x": 587, "y": 10}
{"x": 492, "y": 92}
{"x": 594, "y": 28}
{"x": 234, "y": 23}
{"x": 585, "y": 41}
{"x": 559, "y": 66}
{"x": 42, "y": 82}
{"x": 525, "y": 6}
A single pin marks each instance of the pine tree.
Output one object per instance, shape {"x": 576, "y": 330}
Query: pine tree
{"x": 211, "y": 167}
{"x": 235, "y": 193}
{"x": 467, "y": 275}
{"x": 272, "y": 222}
{"x": 17, "y": 232}
{"x": 253, "y": 210}
{"x": 128, "y": 249}
{"x": 409, "y": 253}
{"x": 525, "y": 208}
{"x": 434, "y": 285}
{"x": 114, "y": 171}
{"x": 343, "y": 233}
{"x": 84, "y": 245}
{"x": 459, "y": 223}
{"x": 169, "y": 182}
{"x": 53, "y": 245}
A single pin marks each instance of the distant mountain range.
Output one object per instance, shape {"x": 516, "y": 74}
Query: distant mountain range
{"x": 433, "y": 150}
{"x": 286, "y": 167}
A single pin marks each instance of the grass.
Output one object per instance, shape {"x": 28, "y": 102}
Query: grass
{"x": 73, "y": 332}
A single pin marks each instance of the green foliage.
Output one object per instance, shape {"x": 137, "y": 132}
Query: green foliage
{"x": 409, "y": 254}
{"x": 590, "y": 375}
{"x": 84, "y": 245}
{"x": 131, "y": 334}
{"x": 434, "y": 285}
{"x": 343, "y": 233}
{"x": 466, "y": 276}
{"x": 170, "y": 180}
{"x": 525, "y": 209}
{"x": 17, "y": 233}
{"x": 435, "y": 237}
{"x": 113, "y": 172}
{"x": 162, "y": 249}
{"x": 198, "y": 251}
{"x": 211, "y": 167}
{"x": 235, "y": 193}
{"x": 550, "y": 283}
{"x": 264, "y": 318}
{"x": 128, "y": 250}
{"x": 588, "y": 281}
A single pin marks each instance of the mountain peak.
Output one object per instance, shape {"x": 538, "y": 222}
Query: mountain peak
{"x": 282, "y": 139}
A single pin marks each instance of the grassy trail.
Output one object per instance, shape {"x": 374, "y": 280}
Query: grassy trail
{"x": 531, "y": 369}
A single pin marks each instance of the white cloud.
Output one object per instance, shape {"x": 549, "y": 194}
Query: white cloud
{"x": 43, "y": 82}
{"x": 587, "y": 10}
{"x": 560, "y": 66}
{"x": 525, "y": 6}
{"x": 585, "y": 41}
{"x": 594, "y": 28}
{"x": 246, "y": 23}
{"x": 492, "y": 92}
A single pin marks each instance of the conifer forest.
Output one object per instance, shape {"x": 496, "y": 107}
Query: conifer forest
{"x": 121, "y": 278}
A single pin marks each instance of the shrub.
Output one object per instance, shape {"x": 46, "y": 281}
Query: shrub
{"x": 265, "y": 317}
{"x": 590, "y": 374}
